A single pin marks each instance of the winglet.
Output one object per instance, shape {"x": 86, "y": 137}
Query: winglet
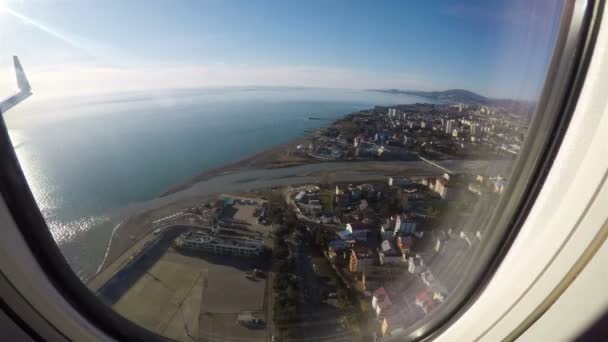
{"x": 22, "y": 82}
{"x": 24, "y": 92}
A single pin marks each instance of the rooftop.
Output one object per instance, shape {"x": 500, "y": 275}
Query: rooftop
{"x": 203, "y": 238}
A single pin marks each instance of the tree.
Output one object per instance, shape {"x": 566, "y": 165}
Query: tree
{"x": 287, "y": 301}
{"x": 321, "y": 237}
{"x": 327, "y": 201}
{"x": 284, "y": 266}
{"x": 437, "y": 208}
{"x": 349, "y": 130}
{"x": 290, "y": 220}
{"x": 403, "y": 200}
{"x": 276, "y": 199}
{"x": 344, "y": 300}
{"x": 281, "y": 233}
{"x": 281, "y": 282}
{"x": 285, "y": 312}
{"x": 280, "y": 250}
{"x": 338, "y": 212}
{"x": 326, "y": 179}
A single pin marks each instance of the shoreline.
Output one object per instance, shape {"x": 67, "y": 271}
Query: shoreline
{"x": 276, "y": 165}
{"x": 267, "y": 158}
{"x": 105, "y": 257}
{"x": 139, "y": 223}
{"x": 275, "y": 156}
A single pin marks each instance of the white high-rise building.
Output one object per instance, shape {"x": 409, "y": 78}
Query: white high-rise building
{"x": 475, "y": 130}
{"x": 449, "y": 126}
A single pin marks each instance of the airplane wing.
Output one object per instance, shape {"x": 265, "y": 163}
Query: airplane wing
{"x": 24, "y": 89}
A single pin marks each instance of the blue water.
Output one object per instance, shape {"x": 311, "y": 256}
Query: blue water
{"x": 86, "y": 157}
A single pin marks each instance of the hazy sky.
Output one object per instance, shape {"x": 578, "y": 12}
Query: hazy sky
{"x": 494, "y": 47}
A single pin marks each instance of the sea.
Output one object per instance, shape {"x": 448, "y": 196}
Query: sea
{"x": 87, "y": 157}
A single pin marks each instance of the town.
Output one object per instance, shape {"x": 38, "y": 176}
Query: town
{"x": 335, "y": 259}
{"x": 457, "y": 131}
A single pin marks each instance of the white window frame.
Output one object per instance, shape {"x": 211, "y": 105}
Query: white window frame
{"x": 570, "y": 213}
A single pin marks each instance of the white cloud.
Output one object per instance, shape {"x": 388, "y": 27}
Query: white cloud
{"x": 76, "y": 80}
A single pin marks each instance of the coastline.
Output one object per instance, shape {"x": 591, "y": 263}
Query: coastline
{"x": 105, "y": 257}
{"x": 276, "y": 165}
{"x": 272, "y": 157}
{"x": 137, "y": 223}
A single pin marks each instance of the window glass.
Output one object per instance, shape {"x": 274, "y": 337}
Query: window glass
{"x": 243, "y": 171}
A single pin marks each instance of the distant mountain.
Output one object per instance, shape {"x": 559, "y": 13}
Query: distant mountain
{"x": 450, "y": 95}
{"x": 518, "y": 107}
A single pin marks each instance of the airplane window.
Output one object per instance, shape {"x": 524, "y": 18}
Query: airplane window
{"x": 244, "y": 171}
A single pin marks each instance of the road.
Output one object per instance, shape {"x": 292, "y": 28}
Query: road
{"x": 249, "y": 179}
{"x": 244, "y": 180}
{"x": 318, "y": 321}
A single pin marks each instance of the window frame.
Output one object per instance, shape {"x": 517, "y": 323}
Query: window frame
{"x": 566, "y": 74}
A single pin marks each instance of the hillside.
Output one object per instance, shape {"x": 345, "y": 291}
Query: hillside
{"x": 450, "y": 95}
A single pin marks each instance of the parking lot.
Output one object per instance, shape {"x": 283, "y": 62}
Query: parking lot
{"x": 243, "y": 211}
{"x": 194, "y": 298}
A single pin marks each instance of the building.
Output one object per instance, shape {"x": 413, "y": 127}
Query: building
{"x": 387, "y": 231}
{"x": 358, "y": 230}
{"x": 363, "y": 205}
{"x": 498, "y": 185}
{"x": 404, "y": 226}
{"x": 300, "y": 196}
{"x": 220, "y": 245}
{"x": 380, "y": 301}
{"x": 357, "y": 141}
{"x": 340, "y": 244}
{"x": 428, "y": 182}
{"x": 404, "y": 243}
{"x": 475, "y": 188}
{"x": 390, "y": 254}
{"x": 439, "y": 292}
{"x": 475, "y": 130}
{"x": 415, "y": 264}
{"x": 392, "y": 323}
{"x": 398, "y": 181}
{"x": 352, "y": 261}
{"x": 388, "y": 318}
{"x": 441, "y": 187}
{"x": 425, "y": 301}
{"x": 458, "y": 106}
{"x": 346, "y": 236}
{"x": 450, "y": 125}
